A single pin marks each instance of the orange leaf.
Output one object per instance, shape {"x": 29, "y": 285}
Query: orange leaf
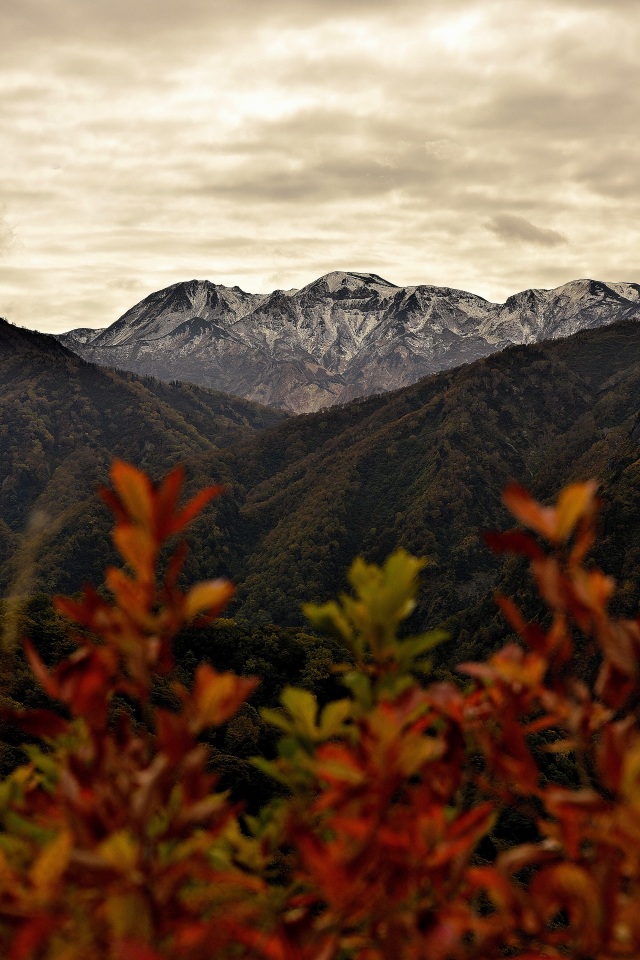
{"x": 631, "y": 776}
{"x": 51, "y": 863}
{"x": 135, "y": 491}
{"x": 133, "y": 597}
{"x": 217, "y": 696}
{"x": 570, "y": 887}
{"x": 194, "y": 507}
{"x": 209, "y": 597}
{"x": 137, "y": 548}
{"x": 523, "y": 506}
{"x": 167, "y": 496}
{"x": 574, "y": 502}
{"x": 82, "y": 612}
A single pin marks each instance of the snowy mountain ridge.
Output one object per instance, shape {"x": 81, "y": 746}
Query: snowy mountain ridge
{"x": 342, "y": 336}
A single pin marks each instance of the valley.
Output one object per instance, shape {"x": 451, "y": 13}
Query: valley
{"x": 421, "y": 467}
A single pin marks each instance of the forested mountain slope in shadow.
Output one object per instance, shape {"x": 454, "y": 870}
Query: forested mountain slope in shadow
{"x": 62, "y": 420}
{"x": 424, "y": 468}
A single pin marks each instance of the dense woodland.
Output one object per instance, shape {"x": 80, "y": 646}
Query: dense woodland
{"x": 421, "y": 468}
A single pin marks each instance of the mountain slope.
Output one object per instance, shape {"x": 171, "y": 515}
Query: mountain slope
{"x": 345, "y": 335}
{"x": 62, "y": 421}
{"x": 422, "y": 467}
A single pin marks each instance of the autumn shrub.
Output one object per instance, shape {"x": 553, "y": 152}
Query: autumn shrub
{"x": 391, "y": 840}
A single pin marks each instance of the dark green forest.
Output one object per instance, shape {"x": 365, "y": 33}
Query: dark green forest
{"x": 422, "y": 468}
{"x": 62, "y": 421}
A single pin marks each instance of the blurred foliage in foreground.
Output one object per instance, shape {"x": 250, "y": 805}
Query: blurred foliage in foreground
{"x": 387, "y": 840}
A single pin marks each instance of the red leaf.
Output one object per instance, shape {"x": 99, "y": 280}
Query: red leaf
{"x": 529, "y": 512}
{"x": 174, "y": 738}
{"x": 134, "y": 950}
{"x": 513, "y": 541}
{"x": 166, "y": 499}
{"x": 40, "y": 671}
{"x": 39, "y": 723}
{"x": 113, "y": 502}
{"x": 194, "y": 507}
{"x": 31, "y": 935}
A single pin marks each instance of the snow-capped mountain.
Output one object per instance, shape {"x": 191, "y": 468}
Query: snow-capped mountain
{"x": 343, "y": 336}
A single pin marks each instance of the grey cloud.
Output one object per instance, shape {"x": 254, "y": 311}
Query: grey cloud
{"x": 509, "y": 226}
{"x": 142, "y": 143}
{"x": 76, "y": 17}
{"x": 526, "y": 107}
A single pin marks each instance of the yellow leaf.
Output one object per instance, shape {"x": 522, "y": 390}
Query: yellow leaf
{"x": 217, "y": 696}
{"x": 574, "y": 501}
{"x": 210, "y": 597}
{"x": 334, "y": 716}
{"x": 120, "y": 851}
{"x": 51, "y": 863}
{"x": 128, "y": 915}
{"x": 631, "y": 776}
{"x": 329, "y": 618}
{"x": 302, "y": 706}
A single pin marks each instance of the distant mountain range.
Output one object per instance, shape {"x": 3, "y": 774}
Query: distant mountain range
{"x": 344, "y": 336}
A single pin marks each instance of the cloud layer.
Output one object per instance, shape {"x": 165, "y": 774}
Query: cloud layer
{"x": 472, "y": 144}
{"x": 508, "y": 226}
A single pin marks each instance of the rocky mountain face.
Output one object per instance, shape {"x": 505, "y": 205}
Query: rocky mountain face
{"x": 346, "y": 335}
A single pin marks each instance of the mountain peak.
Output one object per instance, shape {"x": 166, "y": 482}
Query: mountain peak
{"x": 345, "y": 335}
{"x": 342, "y": 279}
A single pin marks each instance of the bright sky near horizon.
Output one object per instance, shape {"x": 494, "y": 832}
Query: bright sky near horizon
{"x": 484, "y": 145}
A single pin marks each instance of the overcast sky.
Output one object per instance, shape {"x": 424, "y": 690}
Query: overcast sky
{"x": 489, "y": 146}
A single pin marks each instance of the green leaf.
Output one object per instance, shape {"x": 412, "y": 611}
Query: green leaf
{"x": 360, "y": 687}
{"x": 45, "y": 763}
{"x": 333, "y": 718}
{"x": 270, "y": 769}
{"x": 22, "y": 827}
{"x": 302, "y": 706}
{"x": 391, "y": 685}
{"x": 276, "y": 718}
{"x": 329, "y": 618}
{"x": 388, "y": 592}
{"x": 414, "y": 648}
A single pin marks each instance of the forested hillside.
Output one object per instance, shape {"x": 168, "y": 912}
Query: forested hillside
{"x": 424, "y": 468}
{"x": 421, "y": 468}
{"x": 62, "y": 420}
